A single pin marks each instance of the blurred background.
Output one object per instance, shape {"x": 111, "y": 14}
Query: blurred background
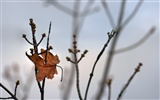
{"x": 91, "y": 27}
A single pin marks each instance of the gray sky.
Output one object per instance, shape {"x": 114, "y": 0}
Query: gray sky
{"x": 15, "y": 17}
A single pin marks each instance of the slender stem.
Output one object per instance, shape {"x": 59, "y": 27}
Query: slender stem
{"x": 6, "y": 98}
{"x": 133, "y": 13}
{"x": 80, "y": 59}
{"x": 35, "y": 46}
{"x": 98, "y": 57}
{"x": 62, "y": 8}
{"x": 42, "y": 92}
{"x": 129, "y": 81}
{"x": 43, "y": 83}
{"x": 77, "y": 77}
{"x": 121, "y": 13}
{"x": 47, "y": 46}
{"x": 110, "y": 55}
{"x": 15, "y": 90}
{"x": 108, "y": 13}
{"x": 36, "y": 51}
{"x": 75, "y": 25}
{"x": 109, "y": 88}
{"x": 12, "y": 95}
{"x": 40, "y": 40}
{"x": 28, "y": 41}
{"x": 109, "y": 92}
{"x": 107, "y": 66}
{"x": 138, "y": 43}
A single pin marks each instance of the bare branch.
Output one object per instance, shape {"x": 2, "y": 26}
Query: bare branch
{"x": 133, "y": 13}
{"x": 24, "y": 36}
{"x": 43, "y": 35}
{"x": 12, "y": 95}
{"x": 110, "y": 35}
{"x": 129, "y": 81}
{"x": 138, "y": 43}
{"x": 110, "y": 55}
{"x": 74, "y": 52}
{"x": 108, "y": 13}
{"x": 61, "y": 7}
{"x": 121, "y": 13}
{"x": 15, "y": 91}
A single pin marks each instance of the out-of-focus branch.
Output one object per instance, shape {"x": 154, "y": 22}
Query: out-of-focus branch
{"x": 76, "y": 17}
{"x": 89, "y": 11}
{"x": 61, "y": 7}
{"x": 129, "y": 81}
{"x": 110, "y": 55}
{"x": 133, "y": 13}
{"x": 121, "y": 13}
{"x": 119, "y": 28}
{"x": 78, "y": 21}
{"x": 108, "y": 13}
{"x": 67, "y": 90}
{"x": 138, "y": 43}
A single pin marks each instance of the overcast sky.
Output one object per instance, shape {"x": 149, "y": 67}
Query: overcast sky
{"x": 15, "y": 17}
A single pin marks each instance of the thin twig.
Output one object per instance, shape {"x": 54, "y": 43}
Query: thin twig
{"x": 12, "y": 95}
{"x": 109, "y": 88}
{"x": 133, "y": 13}
{"x": 33, "y": 29}
{"x": 61, "y": 7}
{"x": 75, "y": 62}
{"x": 138, "y": 43}
{"x": 110, "y": 55}
{"x": 76, "y": 17}
{"x": 43, "y": 35}
{"x": 108, "y": 13}
{"x": 47, "y": 46}
{"x": 89, "y": 11}
{"x": 110, "y": 35}
{"x": 67, "y": 91}
{"x": 6, "y": 98}
{"x": 83, "y": 16}
{"x": 77, "y": 25}
{"x": 75, "y": 51}
{"x": 121, "y": 13}
{"x": 24, "y": 36}
{"x": 15, "y": 91}
{"x": 77, "y": 79}
{"x": 129, "y": 81}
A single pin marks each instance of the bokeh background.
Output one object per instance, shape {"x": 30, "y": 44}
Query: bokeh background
{"x": 15, "y": 15}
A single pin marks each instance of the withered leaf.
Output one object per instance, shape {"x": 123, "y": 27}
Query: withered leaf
{"x": 45, "y": 69}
